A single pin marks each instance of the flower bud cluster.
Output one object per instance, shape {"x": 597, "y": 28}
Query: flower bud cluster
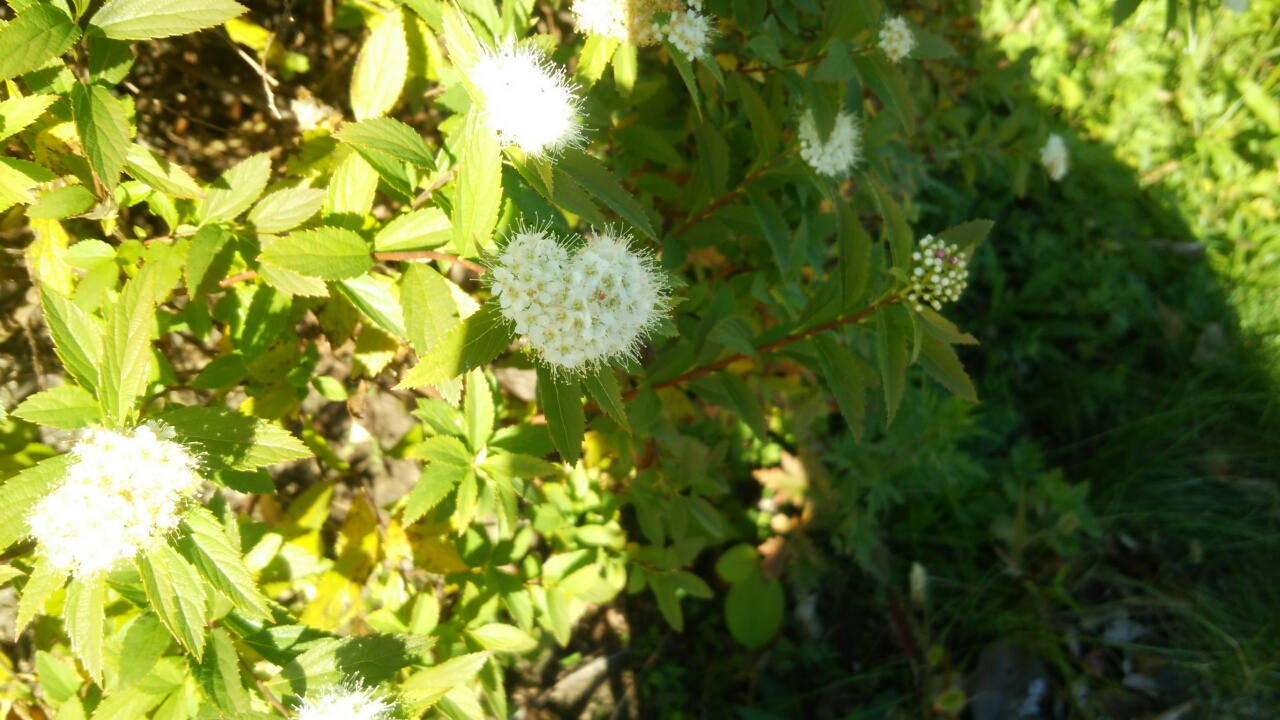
{"x": 690, "y": 31}
{"x": 941, "y": 275}
{"x": 344, "y": 702}
{"x": 842, "y": 150}
{"x": 527, "y": 101}
{"x": 123, "y": 490}
{"x": 579, "y": 310}
{"x": 1054, "y": 157}
{"x": 896, "y": 39}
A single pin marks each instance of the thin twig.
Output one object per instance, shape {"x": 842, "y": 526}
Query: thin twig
{"x": 440, "y": 182}
{"x": 268, "y": 82}
{"x": 266, "y": 692}
{"x": 727, "y": 197}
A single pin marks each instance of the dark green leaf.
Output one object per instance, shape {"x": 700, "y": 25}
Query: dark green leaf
{"x": 855, "y": 256}
{"x": 745, "y": 403}
{"x": 892, "y": 332}
{"x": 895, "y": 223}
{"x": 940, "y": 361}
{"x": 888, "y": 84}
{"x": 845, "y": 376}
{"x": 753, "y": 610}
{"x": 967, "y": 236}
{"x": 603, "y": 386}
{"x": 208, "y": 259}
{"x": 604, "y": 185}
{"x": 371, "y": 659}
{"x": 144, "y": 642}
{"x": 219, "y": 673}
{"x": 561, "y": 398}
{"x": 774, "y": 227}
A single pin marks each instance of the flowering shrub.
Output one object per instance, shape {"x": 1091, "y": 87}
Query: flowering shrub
{"x": 648, "y": 248}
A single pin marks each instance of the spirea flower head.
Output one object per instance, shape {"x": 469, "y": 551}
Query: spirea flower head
{"x": 896, "y": 38}
{"x": 941, "y": 275}
{"x": 527, "y": 101}
{"x": 690, "y": 31}
{"x": 123, "y": 490}
{"x": 583, "y": 309}
{"x": 1054, "y": 157}
{"x": 625, "y": 20}
{"x": 344, "y": 702}
{"x": 842, "y": 150}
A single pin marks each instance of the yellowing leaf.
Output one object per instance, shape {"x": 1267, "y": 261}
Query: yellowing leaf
{"x": 381, "y": 69}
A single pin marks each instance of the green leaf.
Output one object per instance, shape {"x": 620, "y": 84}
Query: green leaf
{"x": 737, "y": 563}
{"x": 895, "y": 223}
{"x": 892, "y": 332}
{"x": 967, "y": 236}
{"x": 1122, "y": 10}
{"x": 691, "y": 584}
{"x": 561, "y": 398}
{"x": 69, "y": 407}
{"x": 76, "y": 337}
{"x": 626, "y": 67}
{"x": 939, "y": 360}
{"x": 448, "y": 674}
{"x": 147, "y": 19}
{"x": 855, "y": 256}
{"x": 517, "y": 465}
{"x": 350, "y": 194}
{"x": 104, "y": 131}
{"x": 21, "y": 492}
{"x": 774, "y": 226}
{"x": 503, "y": 638}
{"x": 285, "y": 209}
{"x": 158, "y": 173}
{"x": 478, "y": 409}
{"x": 597, "y": 51}
{"x": 231, "y": 441}
{"x": 570, "y": 196}
{"x": 372, "y": 659}
{"x": 753, "y": 610}
{"x": 746, "y": 404}
{"x": 236, "y": 190}
{"x": 176, "y": 594}
{"x": 19, "y": 112}
{"x": 419, "y": 230}
{"x": 603, "y": 386}
{"x": 291, "y": 282}
{"x": 558, "y": 614}
{"x": 381, "y": 68}
{"x": 478, "y": 195}
{"x": 603, "y": 184}
{"x": 219, "y": 673}
{"x": 434, "y": 485}
{"x": 846, "y": 377}
{"x": 60, "y": 681}
{"x": 64, "y": 202}
{"x": 685, "y": 68}
{"x": 208, "y": 259}
{"x": 889, "y": 86}
{"x": 763, "y": 124}
{"x": 375, "y": 300}
{"x": 477, "y": 340}
{"x": 430, "y": 311}
{"x": 126, "y": 350}
{"x": 326, "y": 252}
{"x": 39, "y": 34}
{"x": 930, "y": 46}
{"x": 389, "y": 136}
{"x": 264, "y": 320}
{"x": 144, "y": 642}
{"x": 109, "y": 60}
{"x": 83, "y": 614}
{"x": 664, "y": 591}
{"x": 45, "y": 580}
{"x": 203, "y": 541}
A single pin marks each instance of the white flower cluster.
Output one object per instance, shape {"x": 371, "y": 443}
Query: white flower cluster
{"x": 123, "y": 491}
{"x": 581, "y": 310}
{"x": 344, "y": 702}
{"x": 631, "y": 21}
{"x": 941, "y": 275}
{"x": 896, "y": 39}
{"x": 527, "y": 100}
{"x": 690, "y": 31}
{"x": 842, "y": 150}
{"x": 1054, "y": 157}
